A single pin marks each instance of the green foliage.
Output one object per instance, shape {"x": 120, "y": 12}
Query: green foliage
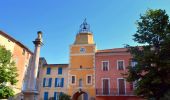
{"x": 8, "y": 73}
{"x": 64, "y": 96}
{"x": 6, "y": 91}
{"x": 166, "y": 96}
{"x": 152, "y": 71}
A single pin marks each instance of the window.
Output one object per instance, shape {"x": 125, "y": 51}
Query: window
{"x": 47, "y": 82}
{"x": 105, "y": 65}
{"x": 106, "y": 86}
{"x": 121, "y": 86}
{"x": 56, "y": 95}
{"x": 27, "y": 55}
{"x": 45, "y": 95}
{"x": 89, "y": 79}
{"x": 59, "y": 82}
{"x": 23, "y": 51}
{"x": 80, "y": 66}
{"x": 73, "y": 79}
{"x": 120, "y": 65}
{"x": 48, "y": 70}
{"x": 80, "y": 82}
{"x": 59, "y": 71}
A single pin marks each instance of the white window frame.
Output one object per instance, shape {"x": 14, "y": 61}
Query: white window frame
{"x": 75, "y": 80}
{"x": 87, "y": 79}
{"x": 118, "y": 85}
{"x": 103, "y": 66}
{"x": 118, "y": 64}
{"x": 102, "y": 84}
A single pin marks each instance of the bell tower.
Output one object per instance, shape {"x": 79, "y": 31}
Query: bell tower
{"x": 82, "y": 65}
{"x": 84, "y": 36}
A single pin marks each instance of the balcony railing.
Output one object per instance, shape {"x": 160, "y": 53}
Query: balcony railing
{"x": 114, "y": 92}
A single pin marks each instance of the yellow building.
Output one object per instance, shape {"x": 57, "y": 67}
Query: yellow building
{"x": 81, "y": 73}
{"x": 52, "y": 79}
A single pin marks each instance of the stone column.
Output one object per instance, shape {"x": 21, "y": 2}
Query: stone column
{"x": 31, "y": 91}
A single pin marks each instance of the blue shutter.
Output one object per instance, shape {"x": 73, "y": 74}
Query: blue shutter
{"x": 62, "y": 82}
{"x": 44, "y": 82}
{"x": 50, "y": 81}
{"x": 55, "y": 82}
{"x": 45, "y": 95}
{"x": 60, "y": 70}
{"x": 48, "y": 71}
{"x": 55, "y": 95}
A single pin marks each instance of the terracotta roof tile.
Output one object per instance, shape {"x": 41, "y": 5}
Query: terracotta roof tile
{"x": 114, "y": 50}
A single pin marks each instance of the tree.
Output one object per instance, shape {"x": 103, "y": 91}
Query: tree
{"x": 64, "y": 96}
{"x": 8, "y": 73}
{"x": 152, "y": 71}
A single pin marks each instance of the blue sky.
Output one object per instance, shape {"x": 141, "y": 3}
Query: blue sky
{"x": 112, "y": 22}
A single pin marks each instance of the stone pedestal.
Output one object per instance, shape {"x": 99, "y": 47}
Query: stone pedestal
{"x": 30, "y": 95}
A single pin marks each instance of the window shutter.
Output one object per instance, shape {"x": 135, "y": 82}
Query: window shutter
{"x": 55, "y": 95}
{"x": 45, "y": 95}
{"x": 50, "y": 81}
{"x": 62, "y": 82}
{"x": 56, "y": 81}
{"x": 60, "y": 70}
{"x": 44, "y": 82}
{"x": 48, "y": 71}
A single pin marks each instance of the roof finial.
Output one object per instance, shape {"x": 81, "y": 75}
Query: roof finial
{"x": 84, "y": 27}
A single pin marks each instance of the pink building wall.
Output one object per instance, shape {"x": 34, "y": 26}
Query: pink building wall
{"x": 112, "y": 55}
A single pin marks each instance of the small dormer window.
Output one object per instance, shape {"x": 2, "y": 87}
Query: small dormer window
{"x": 23, "y": 51}
{"x": 82, "y": 50}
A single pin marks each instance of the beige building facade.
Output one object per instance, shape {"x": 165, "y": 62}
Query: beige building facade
{"x": 53, "y": 79}
{"x": 22, "y": 57}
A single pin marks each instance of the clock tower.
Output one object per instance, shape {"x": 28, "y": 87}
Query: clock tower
{"x": 81, "y": 73}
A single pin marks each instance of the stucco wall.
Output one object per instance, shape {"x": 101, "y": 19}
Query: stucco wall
{"x": 9, "y": 45}
{"x": 113, "y": 73}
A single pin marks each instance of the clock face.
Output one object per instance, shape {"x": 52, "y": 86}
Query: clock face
{"x": 82, "y": 50}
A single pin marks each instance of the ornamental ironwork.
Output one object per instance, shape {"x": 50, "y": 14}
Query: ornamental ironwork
{"x": 84, "y": 27}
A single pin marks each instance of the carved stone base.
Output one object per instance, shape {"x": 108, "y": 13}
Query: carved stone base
{"x": 30, "y": 95}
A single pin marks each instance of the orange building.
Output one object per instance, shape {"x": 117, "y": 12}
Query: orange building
{"x": 81, "y": 73}
{"x": 22, "y": 57}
